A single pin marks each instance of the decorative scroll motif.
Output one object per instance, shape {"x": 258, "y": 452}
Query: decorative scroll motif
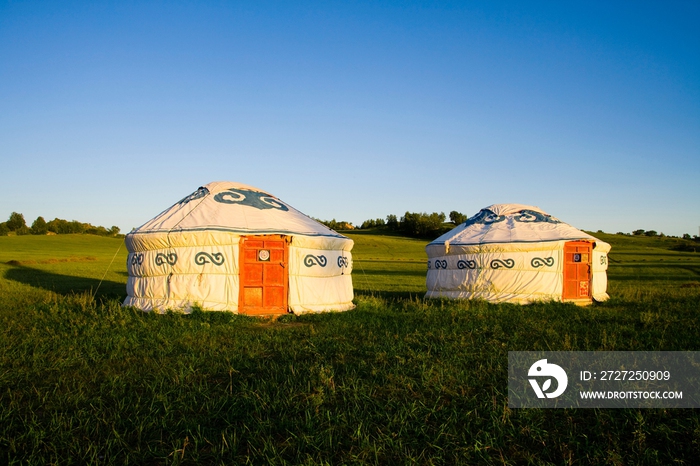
{"x": 498, "y": 263}
{"x": 205, "y": 258}
{"x": 603, "y": 259}
{"x": 137, "y": 258}
{"x": 429, "y": 265}
{"x": 484, "y": 217}
{"x": 170, "y": 258}
{"x": 310, "y": 260}
{"x": 200, "y": 193}
{"x": 440, "y": 264}
{"x": 250, "y": 198}
{"x": 530, "y": 216}
{"x": 538, "y": 262}
{"x": 462, "y": 264}
{"x": 342, "y": 261}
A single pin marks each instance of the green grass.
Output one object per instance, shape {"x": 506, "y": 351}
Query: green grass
{"x": 641, "y": 265}
{"x": 65, "y": 264}
{"x": 397, "y": 380}
{"x": 388, "y": 265}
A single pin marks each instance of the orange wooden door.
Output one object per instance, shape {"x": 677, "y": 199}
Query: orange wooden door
{"x": 577, "y": 270}
{"x": 264, "y": 275}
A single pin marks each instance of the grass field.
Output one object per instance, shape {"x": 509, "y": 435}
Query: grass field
{"x": 397, "y": 380}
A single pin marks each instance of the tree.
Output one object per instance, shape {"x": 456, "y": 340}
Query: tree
{"x": 39, "y": 226}
{"x": 77, "y": 227}
{"x": 332, "y": 224}
{"x": 457, "y": 217}
{"x": 3, "y": 229}
{"x": 422, "y": 224}
{"x": 16, "y": 221}
{"x": 372, "y": 223}
{"x": 638, "y": 232}
{"x": 114, "y": 231}
{"x": 100, "y": 231}
{"x": 58, "y": 226}
{"x": 392, "y": 222}
{"x": 23, "y": 230}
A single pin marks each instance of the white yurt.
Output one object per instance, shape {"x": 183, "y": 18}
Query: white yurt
{"x": 518, "y": 254}
{"x": 233, "y": 247}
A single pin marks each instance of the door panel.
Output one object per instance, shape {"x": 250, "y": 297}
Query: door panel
{"x": 253, "y": 297}
{"x": 264, "y": 276}
{"x": 577, "y": 270}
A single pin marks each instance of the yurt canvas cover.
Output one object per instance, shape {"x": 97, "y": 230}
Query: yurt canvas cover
{"x": 517, "y": 253}
{"x": 230, "y": 246}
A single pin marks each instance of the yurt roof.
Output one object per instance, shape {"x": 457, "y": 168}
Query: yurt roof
{"x": 511, "y": 223}
{"x": 234, "y": 207}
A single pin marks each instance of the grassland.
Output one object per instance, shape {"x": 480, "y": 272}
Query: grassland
{"x": 397, "y": 380}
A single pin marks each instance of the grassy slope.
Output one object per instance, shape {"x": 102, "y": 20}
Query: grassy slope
{"x": 384, "y": 264}
{"x": 388, "y": 265}
{"x": 65, "y": 263}
{"x": 396, "y": 380}
{"x": 640, "y": 263}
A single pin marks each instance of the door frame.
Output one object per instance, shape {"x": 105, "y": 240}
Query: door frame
{"x": 278, "y": 255}
{"x": 586, "y": 252}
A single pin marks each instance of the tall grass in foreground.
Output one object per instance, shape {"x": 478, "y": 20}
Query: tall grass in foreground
{"x": 398, "y": 380}
{"x": 401, "y": 381}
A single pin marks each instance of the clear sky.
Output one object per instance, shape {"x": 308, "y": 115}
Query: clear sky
{"x": 110, "y": 112}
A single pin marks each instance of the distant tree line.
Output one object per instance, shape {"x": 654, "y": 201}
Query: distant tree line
{"x": 642, "y": 232}
{"x": 419, "y": 224}
{"x": 423, "y": 225}
{"x": 336, "y": 225}
{"x": 17, "y": 225}
{"x": 685, "y": 243}
{"x": 646, "y": 233}
{"x": 373, "y": 223}
{"x": 416, "y": 224}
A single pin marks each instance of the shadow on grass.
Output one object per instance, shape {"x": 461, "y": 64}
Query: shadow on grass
{"x": 65, "y": 284}
{"x": 390, "y": 295}
{"x": 403, "y": 273}
{"x": 680, "y": 274}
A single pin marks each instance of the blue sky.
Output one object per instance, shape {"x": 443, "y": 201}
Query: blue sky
{"x": 112, "y": 111}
